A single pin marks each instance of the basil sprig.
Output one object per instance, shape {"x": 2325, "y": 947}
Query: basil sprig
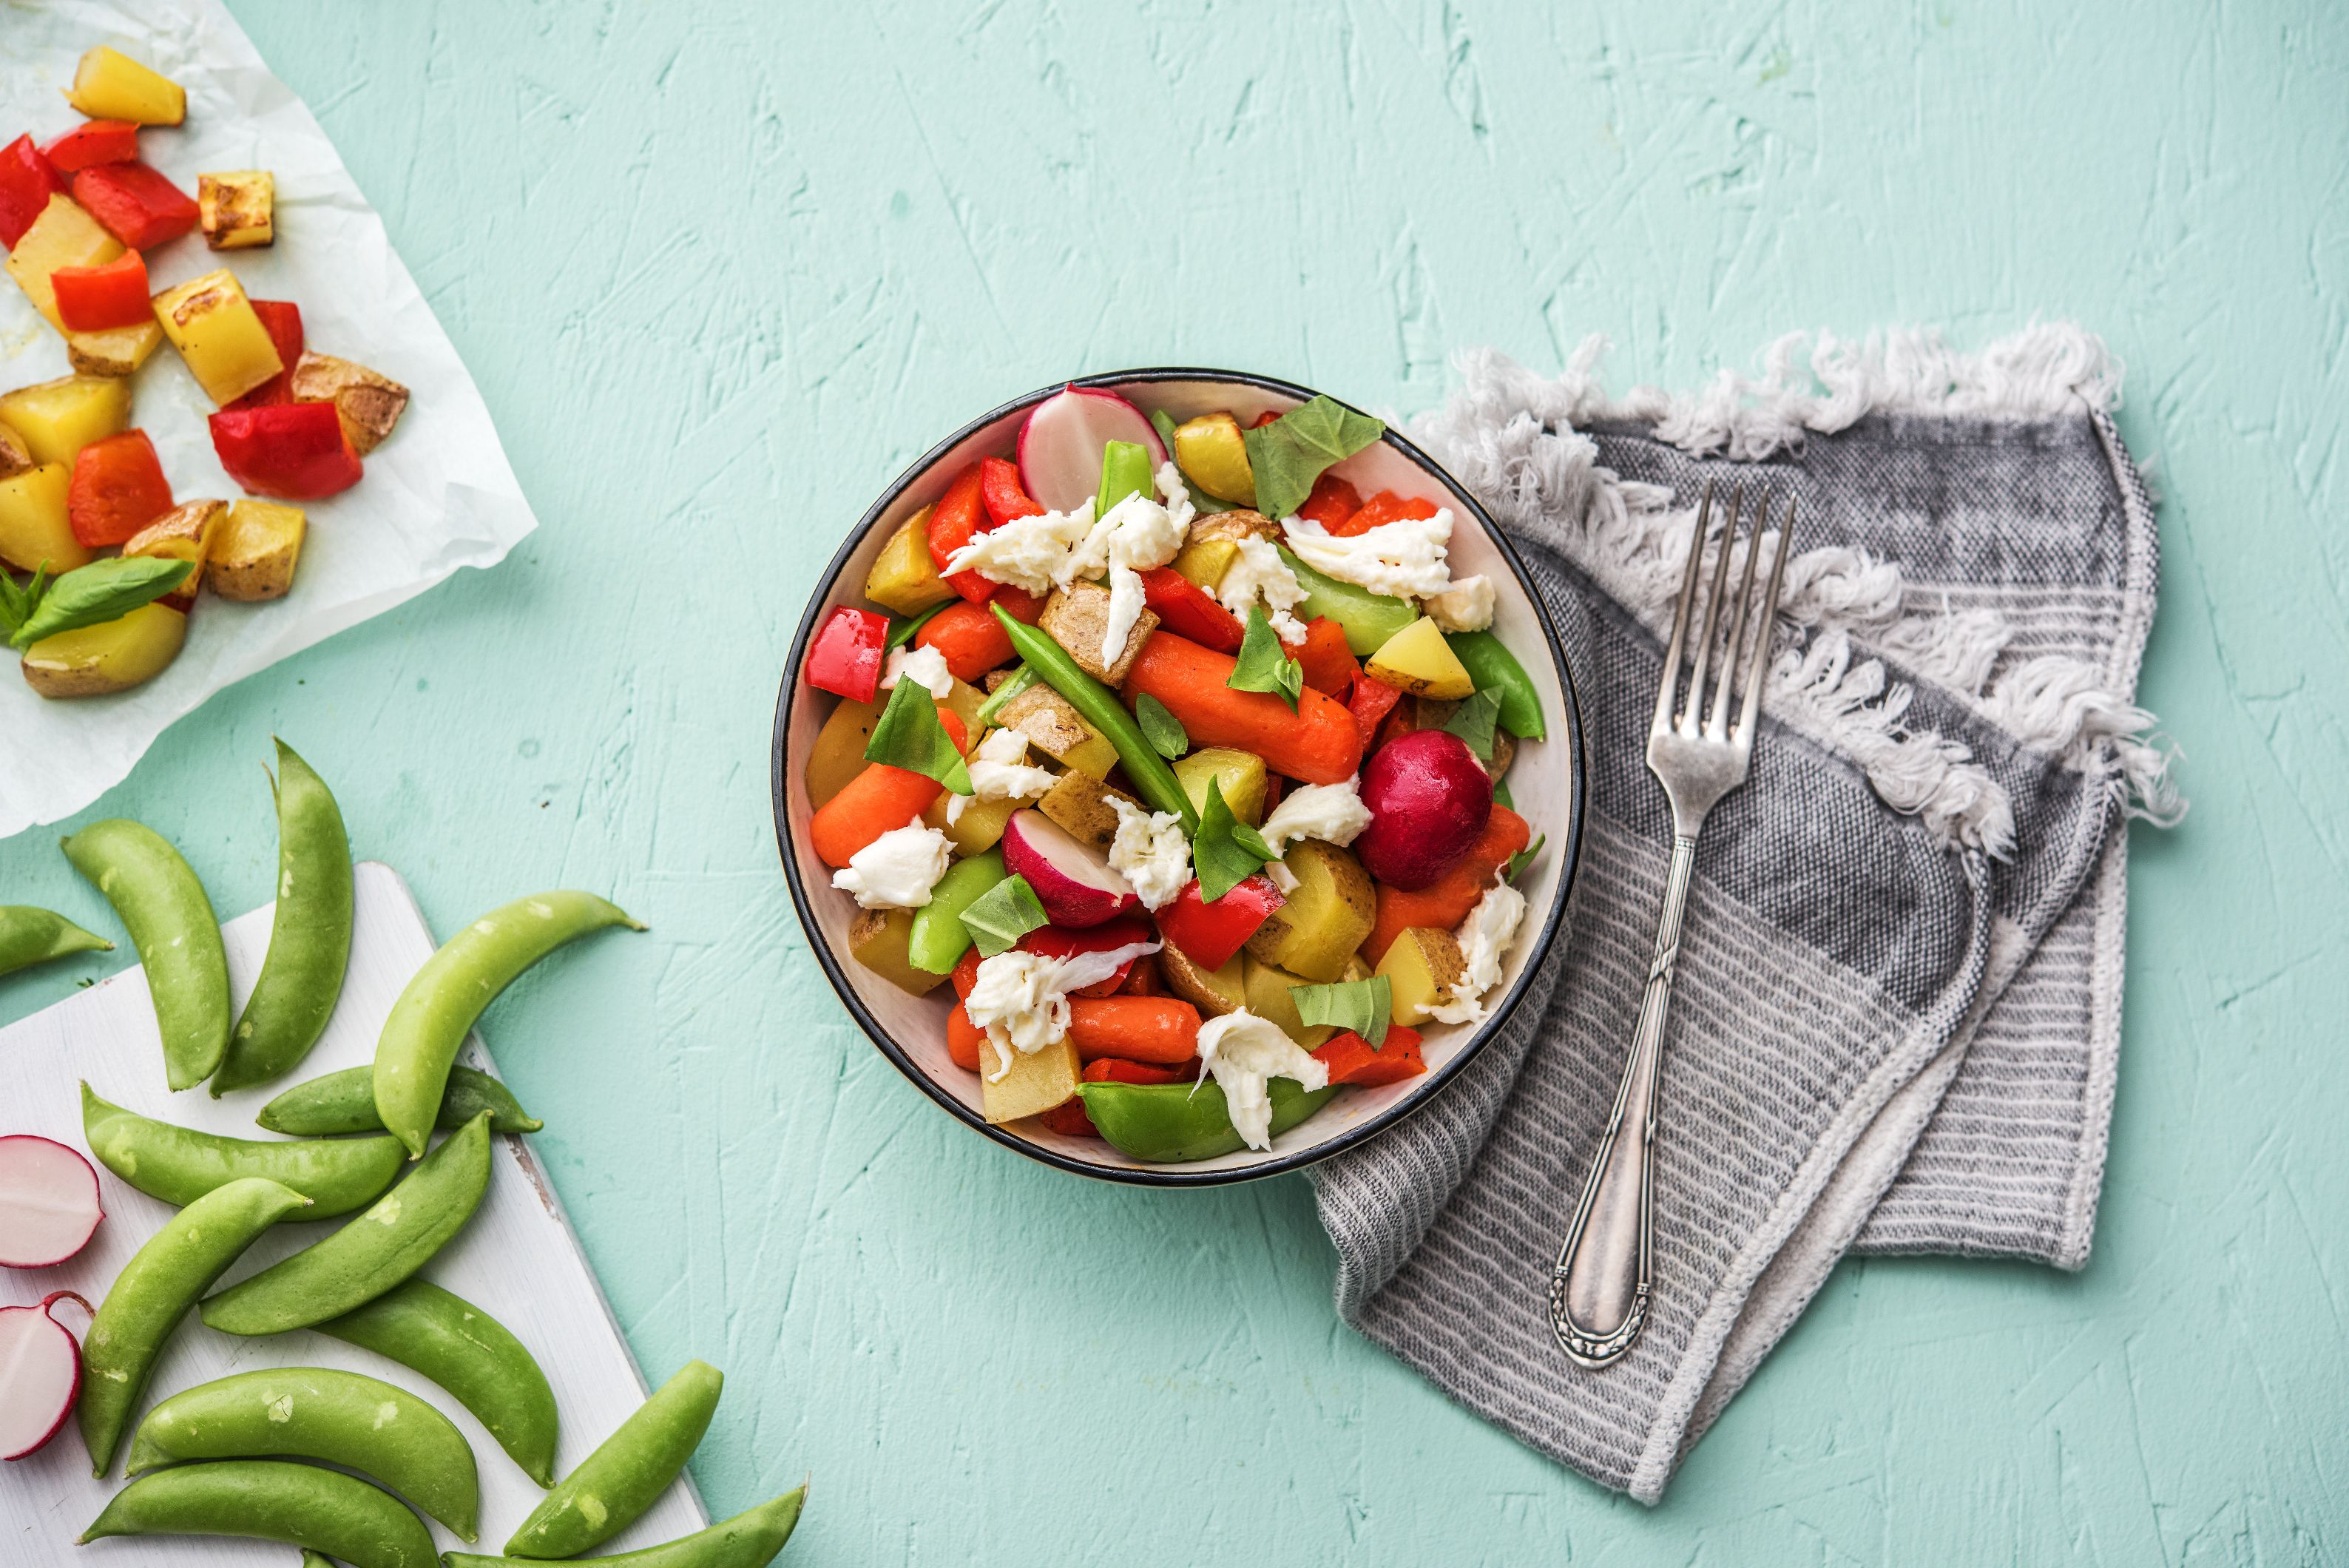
{"x": 1160, "y": 727}
{"x": 1264, "y": 664}
{"x": 1226, "y": 851}
{"x": 1288, "y": 454}
{"x": 909, "y": 736}
{"x": 86, "y": 596}
{"x": 1365, "y": 1006}
{"x": 999, "y": 916}
{"x": 1472, "y": 722}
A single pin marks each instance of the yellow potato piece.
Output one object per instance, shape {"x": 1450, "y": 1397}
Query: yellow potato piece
{"x": 1059, "y": 731}
{"x": 1324, "y": 920}
{"x": 979, "y": 830}
{"x": 903, "y": 579}
{"x": 58, "y": 419}
{"x": 1421, "y": 967}
{"x": 114, "y": 656}
{"x": 110, "y": 84}
{"x": 62, "y": 235}
{"x": 1212, "y": 454}
{"x": 33, "y": 527}
{"x": 219, "y": 334}
{"x": 237, "y": 210}
{"x": 254, "y": 553}
{"x": 366, "y": 403}
{"x": 1240, "y": 773}
{"x": 182, "y": 533}
{"x": 1038, "y": 1081}
{"x": 838, "y": 754}
{"x": 117, "y": 351}
{"x": 1214, "y": 991}
{"x": 1267, "y": 988}
{"x": 1417, "y": 660}
{"x": 879, "y": 938}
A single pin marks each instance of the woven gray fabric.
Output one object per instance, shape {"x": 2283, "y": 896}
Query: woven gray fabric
{"x": 1896, "y": 1016}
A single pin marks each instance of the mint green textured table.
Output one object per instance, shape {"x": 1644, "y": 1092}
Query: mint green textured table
{"x": 721, "y": 269}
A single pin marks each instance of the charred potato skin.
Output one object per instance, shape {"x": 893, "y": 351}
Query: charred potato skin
{"x": 1214, "y": 991}
{"x": 1056, "y": 729}
{"x": 236, "y": 209}
{"x": 185, "y": 533}
{"x": 1078, "y": 619}
{"x": 15, "y": 457}
{"x": 367, "y": 402}
{"x": 1080, "y": 803}
{"x": 256, "y": 552}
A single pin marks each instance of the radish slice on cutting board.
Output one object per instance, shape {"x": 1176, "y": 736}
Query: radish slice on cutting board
{"x": 40, "y": 1374}
{"x": 48, "y": 1202}
{"x": 1060, "y": 443}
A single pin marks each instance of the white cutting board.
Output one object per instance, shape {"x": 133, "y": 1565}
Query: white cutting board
{"x": 517, "y": 1257}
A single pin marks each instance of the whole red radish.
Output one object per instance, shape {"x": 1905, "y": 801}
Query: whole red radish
{"x": 1061, "y": 440}
{"x": 40, "y": 1374}
{"x": 1428, "y": 800}
{"x": 48, "y": 1202}
{"x": 1072, "y": 881}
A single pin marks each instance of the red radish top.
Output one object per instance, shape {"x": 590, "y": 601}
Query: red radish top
{"x": 1060, "y": 443}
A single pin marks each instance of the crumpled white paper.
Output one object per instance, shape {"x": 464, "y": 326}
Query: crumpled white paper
{"x": 438, "y": 495}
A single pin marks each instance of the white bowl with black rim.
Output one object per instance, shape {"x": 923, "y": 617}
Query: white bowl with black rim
{"x": 1545, "y": 780}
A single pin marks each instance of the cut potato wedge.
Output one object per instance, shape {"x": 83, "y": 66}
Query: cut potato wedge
{"x": 111, "y": 84}
{"x": 979, "y": 830}
{"x": 216, "y": 330}
{"x": 1241, "y": 774}
{"x": 183, "y": 534}
{"x": 879, "y": 938}
{"x": 58, "y": 419}
{"x": 903, "y": 579}
{"x": 838, "y": 754}
{"x": 1212, "y": 454}
{"x": 1038, "y": 1081}
{"x": 1059, "y": 731}
{"x": 1212, "y": 545}
{"x": 237, "y": 210}
{"x": 1267, "y": 988}
{"x": 112, "y": 657}
{"x": 1422, "y": 966}
{"x": 1077, "y": 619}
{"x": 1214, "y": 991}
{"x": 62, "y": 235}
{"x": 117, "y": 351}
{"x": 1080, "y": 802}
{"x": 1326, "y": 915}
{"x": 35, "y": 528}
{"x": 254, "y": 555}
{"x": 367, "y": 403}
{"x": 1417, "y": 660}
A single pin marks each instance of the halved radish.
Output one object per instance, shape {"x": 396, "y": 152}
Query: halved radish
{"x": 40, "y": 1374}
{"x": 1060, "y": 443}
{"x": 1074, "y": 883}
{"x": 48, "y": 1202}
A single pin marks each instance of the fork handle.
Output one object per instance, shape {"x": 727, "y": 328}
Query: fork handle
{"x": 1599, "y": 1291}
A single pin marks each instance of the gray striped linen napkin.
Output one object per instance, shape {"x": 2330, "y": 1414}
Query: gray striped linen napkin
{"x": 1897, "y": 1013}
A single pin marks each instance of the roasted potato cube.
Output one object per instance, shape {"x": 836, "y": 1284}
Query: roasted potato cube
{"x": 113, "y": 655}
{"x": 1036, "y": 1082}
{"x": 878, "y": 939}
{"x": 237, "y": 211}
{"x": 903, "y": 579}
{"x": 1213, "y": 455}
{"x": 979, "y": 830}
{"x": 1324, "y": 920}
{"x": 838, "y": 754}
{"x": 58, "y": 419}
{"x": 15, "y": 457}
{"x": 183, "y": 534}
{"x": 1212, "y": 544}
{"x": 117, "y": 351}
{"x": 1267, "y": 997}
{"x": 1078, "y": 619}
{"x": 254, "y": 553}
{"x": 1214, "y": 991}
{"x": 1059, "y": 731}
{"x": 35, "y": 529}
{"x": 112, "y": 86}
{"x": 367, "y": 404}
{"x": 1241, "y": 774}
{"x": 220, "y": 335}
{"x": 62, "y": 235}
{"x": 1080, "y": 802}
{"x": 1422, "y": 966}
{"x": 1417, "y": 660}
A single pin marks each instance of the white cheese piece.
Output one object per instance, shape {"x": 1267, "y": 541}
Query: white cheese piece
{"x": 1258, "y": 573}
{"x": 1465, "y": 606}
{"x": 1483, "y": 938}
{"x": 1036, "y": 555}
{"x": 1176, "y": 494}
{"x": 897, "y": 870}
{"x": 1405, "y": 557}
{"x": 1246, "y": 1052}
{"x": 1150, "y": 852}
{"x": 925, "y": 667}
{"x": 1022, "y": 999}
{"x": 998, "y": 769}
{"x": 1139, "y": 533}
{"x": 1332, "y": 813}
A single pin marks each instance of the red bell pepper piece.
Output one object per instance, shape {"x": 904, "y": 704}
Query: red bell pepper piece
{"x": 135, "y": 204}
{"x": 1262, "y": 420}
{"x": 1069, "y": 1119}
{"x": 1332, "y": 502}
{"x": 283, "y": 320}
{"x": 1329, "y": 664}
{"x": 94, "y": 298}
{"x": 1006, "y": 499}
{"x": 848, "y": 652}
{"x": 1019, "y": 604}
{"x": 1371, "y": 702}
{"x": 1353, "y": 1060}
{"x": 1186, "y": 609}
{"x": 1117, "y": 1070}
{"x": 118, "y": 488}
{"x": 965, "y": 971}
{"x": 1209, "y": 934}
{"x": 27, "y": 180}
{"x": 957, "y": 520}
{"x": 93, "y": 142}
{"x": 292, "y": 452}
{"x": 1054, "y": 941}
{"x": 1384, "y": 507}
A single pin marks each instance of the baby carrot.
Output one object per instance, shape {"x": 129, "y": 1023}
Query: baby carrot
{"x": 1134, "y": 1028}
{"x": 964, "y": 1039}
{"x": 876, "y": 801}
{"x": 968, "y": 638}
{"x": 1447, "y": 903}
{"x": 1318, "y": 744}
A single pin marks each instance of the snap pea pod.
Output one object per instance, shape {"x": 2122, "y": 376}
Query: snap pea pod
{"x": 471, "y": 1354}
{"x": 309, "y": 934}
{"x": 628, "y": 1472}
{"x": 30, "y": 935}
{"x": 440, "y": 1002}
{"x": 396, "y": 1236}
{"x": 749, "y": 1540}
{"x": 154, "y": 1290}
{"x": 345, "y": 1419}
{"x": 1019, "y": 681}
{"x": 1125, "y": 471}
{"x": 343, "y": 1102}
{"x": 326, "y": 1511}
{"x": 938, "y": 937}
{"x": 1368, "y": 619}
{"x": 1100, "y": 707}
{"x": 178, "y": 937}
{"x": 1492, "y": 667}
{"x": 1167, "y": 1123}
{"x": 180, "y": 1165}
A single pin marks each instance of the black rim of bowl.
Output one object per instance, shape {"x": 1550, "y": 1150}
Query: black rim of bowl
{"x": 1566, "y": 843}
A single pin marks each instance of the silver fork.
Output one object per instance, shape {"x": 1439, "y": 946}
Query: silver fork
{"x": 1599, "y": 1292}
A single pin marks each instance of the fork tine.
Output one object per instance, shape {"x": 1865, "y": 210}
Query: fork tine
{"x": 1762, "y": 634}
{"x": 1713, "y": 597}
{"x": 1681, "y": 616}
{"x": 1715, "y": 725}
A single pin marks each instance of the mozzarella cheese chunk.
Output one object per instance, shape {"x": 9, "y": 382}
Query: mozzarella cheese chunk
{"x": 897, "y": 870}
{"x": 1465, "y": 606}
{"x": 998, "y": 769}
{"x": 1485, "y": 938}
{"x": 1258, "y": 573}
{"x": 1150, "y": 852}
{"x": 1332, "y": 813}
{"x": 925, "y": 667}
{"x": 1246, "y": 1052}
{"x": 1405, "y": 557}
{"x": 1137, "y": 534}
{"x": 1022, "y": 999}
{"x": 1036, "y": 555}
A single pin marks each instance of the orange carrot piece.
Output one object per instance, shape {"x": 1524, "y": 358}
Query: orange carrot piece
{"x": 1145, "y": 979}
{"x": 970, "y": 640}
{"x": 1447, "y": 903}
{"x": 879, "y": 800}
{"x": 964, "y": 1039}
{"x": 1134, "y": 1028}
{"x": 1318, "y": 744}
{"x": 965, "y": 971}
{"x": 1327, "y": 662}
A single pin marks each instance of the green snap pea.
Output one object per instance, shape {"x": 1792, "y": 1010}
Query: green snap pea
{"x": 1167, "y": 1123}
{"x": 1019, "y": 681}
{"x": 1100, "y": 707}
{"x": 1492, "y": 667}
{"x": 1125, "y": 471}
{"x": 178, "y": 937}
{"x": 345, "y": 1419}
{"x": 396, "y": 1236}
{"x": 326, "y": 1511}
{"x": 343, "y": 1102}
{"x": 1368, "y": 619}
{"x": 29, "y": 935}
{"x": 154, "y": 1290}
{"x": 749, "y": 1540}
{"x": 180, "y": 1165}
{"x": 937, "y": 938}
{"x": 428, "y": 1022}
{"x": 471, "y": 1354}
{"x": 613, "y": 1486}
{"x": 309, "y": 934}
{"x": 312, "y": 1560}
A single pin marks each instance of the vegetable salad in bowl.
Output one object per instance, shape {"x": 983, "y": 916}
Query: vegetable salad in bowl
{"x": 1146, "y": 770}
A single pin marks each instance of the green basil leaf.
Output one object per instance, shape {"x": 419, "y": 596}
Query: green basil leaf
{"x": 903, "y": 628}
{"x": 1019, "y": 681}
{"x": 1524, "y": 857}
{"x": 1472, "y": 722}
{"x": 1264, "y": 664}
{"x": 1219, "y": 857}
{"x": 1288, "y": 454}
{"x": 999, "y": 916}
{"x": 1163, "y": 423}
{"x": 909, "y": 736}
{"x": 100, "y": 592}
{"x": 1160, "y": 727}
{"x": 16, "y": 603}
{"x": 1501, "y": 795}
{"x": 1365, "y": 1006}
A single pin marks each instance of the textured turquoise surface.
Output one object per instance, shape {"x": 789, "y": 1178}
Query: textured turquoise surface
{"x": 720, "y": 269}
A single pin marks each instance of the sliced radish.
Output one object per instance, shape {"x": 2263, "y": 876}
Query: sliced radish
{"x": 48, "y": 1202}
{"x": 40, "y": 1374}
{"x": 1074, "y": 883}
{"x": 1060, "y": 443}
